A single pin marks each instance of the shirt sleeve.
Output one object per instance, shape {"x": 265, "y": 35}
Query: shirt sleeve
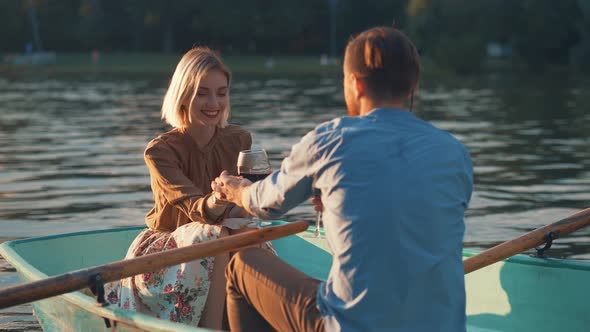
{"x": 169, "y": 183}
{"x": 469, "y": 171}
{"x": 288, "y": 187}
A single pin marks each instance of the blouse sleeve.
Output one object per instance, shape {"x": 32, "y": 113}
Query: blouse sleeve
{"x": 169, "y": 183}
{"x": 246, "y": 141}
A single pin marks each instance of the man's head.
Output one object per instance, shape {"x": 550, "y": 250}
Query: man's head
{"x": 381, "y": 65}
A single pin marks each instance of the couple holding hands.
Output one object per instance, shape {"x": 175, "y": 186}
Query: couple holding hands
{"x": 394, "y": 190}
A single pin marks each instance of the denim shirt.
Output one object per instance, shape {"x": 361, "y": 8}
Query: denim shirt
{"x": 394, "y": 190}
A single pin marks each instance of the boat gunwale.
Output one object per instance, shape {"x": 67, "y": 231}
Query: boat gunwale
{"x": 575, "y": 264}
{"x": 83, "y": 301}
{"x": 142, "y": 321}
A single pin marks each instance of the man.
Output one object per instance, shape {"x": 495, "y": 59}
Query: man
{"x": 394, "y": 190}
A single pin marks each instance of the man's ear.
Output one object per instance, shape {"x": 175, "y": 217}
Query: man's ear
{"x": 359, "y": 86}
{"x": 413, "y": 89}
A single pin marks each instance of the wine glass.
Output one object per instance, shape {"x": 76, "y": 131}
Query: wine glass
{"x": 318, "y": 217}
{"x": 254, "y": 166}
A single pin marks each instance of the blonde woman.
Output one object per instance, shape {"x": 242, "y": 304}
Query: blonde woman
{"x": 182, "y": 163}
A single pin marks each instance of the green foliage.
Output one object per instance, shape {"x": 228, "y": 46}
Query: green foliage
{"x": 453, "y": 34}
{"x": 91, "y": 25}
{"x": 14, "y": 27}
{"x": 580, "y": 54}
{"x": 447, "y": 32}
{"x": 547, "y": 31}
{"x": 462, "y": 53}
{"x": 355, "y": 16}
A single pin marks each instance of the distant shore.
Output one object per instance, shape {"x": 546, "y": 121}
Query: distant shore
{"x": 157, "y": 64}
{"x": 147, "y": 63}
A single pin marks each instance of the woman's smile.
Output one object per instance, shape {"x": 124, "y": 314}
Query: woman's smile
{"x": 211, "y": 114}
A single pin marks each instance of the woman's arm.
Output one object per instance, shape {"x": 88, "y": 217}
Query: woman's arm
{"x": 169, "y": 183}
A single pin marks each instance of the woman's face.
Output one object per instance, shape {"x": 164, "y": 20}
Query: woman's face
{"x": 211, "y": 99}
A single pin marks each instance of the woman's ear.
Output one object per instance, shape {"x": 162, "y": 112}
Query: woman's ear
{"x": 185, "y": 115}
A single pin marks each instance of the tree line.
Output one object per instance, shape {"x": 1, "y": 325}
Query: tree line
{"x": 453, "y": 33}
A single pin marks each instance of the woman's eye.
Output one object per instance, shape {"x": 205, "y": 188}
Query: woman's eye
{"x": 221, "y": 94}
{"x": 201, "y": 94}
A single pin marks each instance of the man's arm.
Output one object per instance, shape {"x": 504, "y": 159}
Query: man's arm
{"x": 280, "y": 191}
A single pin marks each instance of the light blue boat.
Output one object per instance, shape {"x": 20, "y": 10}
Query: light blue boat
{"x": 519, "y": 294}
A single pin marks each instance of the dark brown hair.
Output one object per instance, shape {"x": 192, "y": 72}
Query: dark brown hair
{"x": 386, "y": 59}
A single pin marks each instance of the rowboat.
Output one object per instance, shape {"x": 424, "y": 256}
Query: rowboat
{"x": 521, "y": 293}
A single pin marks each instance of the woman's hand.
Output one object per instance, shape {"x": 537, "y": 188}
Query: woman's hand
{"x": 231, "y": 188}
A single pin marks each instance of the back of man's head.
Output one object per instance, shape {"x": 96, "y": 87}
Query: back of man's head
{"x": 387, "y": 60}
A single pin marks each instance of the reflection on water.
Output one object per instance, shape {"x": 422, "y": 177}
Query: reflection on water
{"x": 71, "y": 151}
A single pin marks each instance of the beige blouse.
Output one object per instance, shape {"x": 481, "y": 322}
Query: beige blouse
{"x": 181, "y": 173}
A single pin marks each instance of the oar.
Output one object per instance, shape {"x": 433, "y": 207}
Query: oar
{"x": 75, "y": 280}
{"x": 527, "y": 241}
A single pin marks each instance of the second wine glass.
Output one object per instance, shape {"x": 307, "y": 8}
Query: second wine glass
{"x": 318, "y": 216}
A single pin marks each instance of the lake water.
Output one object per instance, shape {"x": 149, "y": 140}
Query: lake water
{"x": 71, "y": 151}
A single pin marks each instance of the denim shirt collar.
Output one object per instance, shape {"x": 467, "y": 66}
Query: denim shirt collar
{"x": 384, "y": 113}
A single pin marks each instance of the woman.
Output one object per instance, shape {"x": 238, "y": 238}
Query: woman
{"x": 182, "y": 163}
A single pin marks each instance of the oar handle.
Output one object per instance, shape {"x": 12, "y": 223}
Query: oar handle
{"x": 527, "y": 241}
{"x": 76, "y": 280}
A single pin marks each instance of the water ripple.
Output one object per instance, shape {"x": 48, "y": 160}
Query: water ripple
{"x": 71, "y": 151}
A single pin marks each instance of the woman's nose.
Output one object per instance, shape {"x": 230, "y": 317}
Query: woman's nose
{"x": 212, "y": 100}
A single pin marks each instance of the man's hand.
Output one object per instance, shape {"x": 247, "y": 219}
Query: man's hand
{"x": 231, "y": 188}
{"x": 317, "y": 203}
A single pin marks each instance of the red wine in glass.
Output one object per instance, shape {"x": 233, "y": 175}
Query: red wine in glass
{"x": 253, "y": 164}
{"x": 254, "y": 177}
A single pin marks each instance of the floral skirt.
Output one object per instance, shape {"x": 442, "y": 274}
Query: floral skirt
{"x": 175, "y": 293}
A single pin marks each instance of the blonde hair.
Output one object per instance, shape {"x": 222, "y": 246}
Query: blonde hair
{"x": 195, "y": 64}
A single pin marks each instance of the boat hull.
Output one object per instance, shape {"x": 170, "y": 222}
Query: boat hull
{"x": 518, "y": 294}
